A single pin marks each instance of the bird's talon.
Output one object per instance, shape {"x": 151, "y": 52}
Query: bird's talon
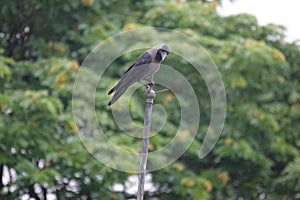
{"x": 150, "y": 84}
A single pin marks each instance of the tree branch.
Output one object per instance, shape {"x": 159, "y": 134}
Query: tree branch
{"x": 150, "y": 94}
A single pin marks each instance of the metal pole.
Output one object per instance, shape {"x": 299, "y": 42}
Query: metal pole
{"x": 150, "y": 94}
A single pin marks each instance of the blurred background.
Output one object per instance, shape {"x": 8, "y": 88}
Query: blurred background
{"x": 42, "y": 45}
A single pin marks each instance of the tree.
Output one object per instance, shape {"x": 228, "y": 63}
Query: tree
{"x": 42, "y": 46}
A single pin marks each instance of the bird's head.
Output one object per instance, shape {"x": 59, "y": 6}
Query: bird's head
{"x": 162, "y": 52}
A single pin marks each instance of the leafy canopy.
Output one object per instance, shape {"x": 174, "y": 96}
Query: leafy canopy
{"x": 42, "y": 45}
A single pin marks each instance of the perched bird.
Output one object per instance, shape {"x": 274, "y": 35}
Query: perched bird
{"x": 143, "y": 69}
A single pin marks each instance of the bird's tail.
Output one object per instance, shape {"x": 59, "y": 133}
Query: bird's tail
{"x": 117, "y": 95}
{"x": 111, "y": 91}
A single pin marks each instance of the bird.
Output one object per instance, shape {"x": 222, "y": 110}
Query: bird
{"x": 141, "y": 70}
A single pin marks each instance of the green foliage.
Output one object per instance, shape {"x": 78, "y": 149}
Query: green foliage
{"x": 42, "y": 45}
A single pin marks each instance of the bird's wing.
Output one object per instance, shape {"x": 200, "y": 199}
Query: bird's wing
{"x": 133, "y": 74}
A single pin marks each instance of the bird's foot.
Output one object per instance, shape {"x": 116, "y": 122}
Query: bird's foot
{"x": 148, "y": 87}
{"x": 149, "y": 84}
{"x": 152, "y": 82}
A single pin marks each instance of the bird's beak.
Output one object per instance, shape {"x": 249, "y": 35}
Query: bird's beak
{"x": 163, "y": 54}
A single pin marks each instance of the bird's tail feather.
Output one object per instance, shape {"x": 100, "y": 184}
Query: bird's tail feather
{"x": 111, "y": 91}
{"x": 117, "y": 95}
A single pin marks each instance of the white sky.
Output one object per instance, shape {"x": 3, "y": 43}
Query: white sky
{"x": 282, "y": 12}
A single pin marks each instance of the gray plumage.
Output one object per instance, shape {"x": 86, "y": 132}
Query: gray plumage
{"x": 143, "y": 69}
